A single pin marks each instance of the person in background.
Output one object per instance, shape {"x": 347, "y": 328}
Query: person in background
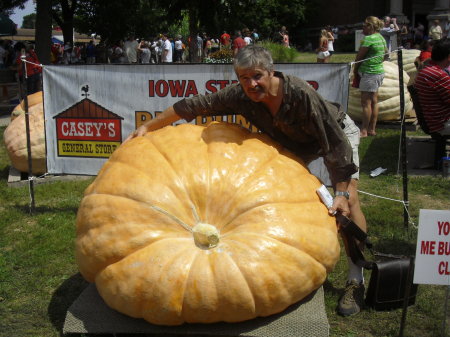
{"x": 285, "y": 42}
{"x": 199, "y": 47}
{"x": 447, "y": 30}
{"x": 238, "y": 42}
{"x": 292, "y": 113}
{"x": 330, "y": 37}
{"x": 433, "y": 88}
{"x": 166, "y": 49}
{"x": 419, "y": 33}
{"x": 144, "y": 52}
{"x": 247, "y": 36}
{"x": 425, "y": 54}
{"x": 255, "y": 35}
{"x": 435, "y": 32}
{"x": 389, "y": 31}
{"x": 90, "y": 53}
{"x": 33, "y": 69}
{"x": 323, "y": 55}
{"x": 208, "y": 46}
{"x": 178, "y": 49}
{"x": 225, "y": 40}
{"x": 131, "y": 48}
{"x": 373, "y": 48}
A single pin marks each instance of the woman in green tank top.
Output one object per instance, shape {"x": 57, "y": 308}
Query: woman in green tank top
{"x": 373, "y": 50}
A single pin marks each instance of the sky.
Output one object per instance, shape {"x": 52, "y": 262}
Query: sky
{"x": 18, "y": 15}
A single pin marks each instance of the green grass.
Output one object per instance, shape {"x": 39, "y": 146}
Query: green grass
{"x": 39, "y": 278}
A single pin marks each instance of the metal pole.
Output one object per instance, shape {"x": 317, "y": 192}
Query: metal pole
{"x": 27, "y": 129}
{"x": 444, "y": 321}
{"x": 403, "y": 138}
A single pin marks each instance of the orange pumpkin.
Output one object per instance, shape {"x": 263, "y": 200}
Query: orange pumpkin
{"x": 204, "y": 224}
{"x": 15, "y": 136}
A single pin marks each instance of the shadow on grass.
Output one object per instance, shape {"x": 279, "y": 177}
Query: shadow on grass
{"x": 4, "y": 173}
{"x": 46, "y": 209}
{"x": 379, "y": 151}
{"x": 63, "y": 298}
{"x": 395, "y": 246}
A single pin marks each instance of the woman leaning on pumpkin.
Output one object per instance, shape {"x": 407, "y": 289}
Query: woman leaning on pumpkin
{"x": 373, "y": 51}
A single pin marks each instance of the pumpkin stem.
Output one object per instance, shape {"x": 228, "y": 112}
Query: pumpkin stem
{"x": 206, "y": 236}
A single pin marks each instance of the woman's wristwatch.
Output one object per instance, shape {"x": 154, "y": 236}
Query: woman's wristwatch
{"x": 345, "y": 194}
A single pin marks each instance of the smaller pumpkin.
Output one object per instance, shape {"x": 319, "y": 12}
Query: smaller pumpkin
{"x": 33, "y": 104}
{"x": 388, "y": 97}
{"x": 15, "y": 136}
{"x": 408, "y": 57}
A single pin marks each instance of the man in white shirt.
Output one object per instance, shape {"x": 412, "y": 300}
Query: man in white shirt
{"x": 131, "y": 47}
{"x": 167, "y": 49}
{"x": 389, "y": 31}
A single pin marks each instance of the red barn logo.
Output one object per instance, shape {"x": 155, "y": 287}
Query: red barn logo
{"x": 87, "y": 129}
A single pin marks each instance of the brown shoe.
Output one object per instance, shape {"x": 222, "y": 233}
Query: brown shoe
{"x": 352, "y": 301}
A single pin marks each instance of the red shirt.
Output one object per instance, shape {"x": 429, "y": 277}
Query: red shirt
{"x": 32, "y": 68}
{"x": 225, "y": 39}
{"x": 424, "y": 55}
{"x": 239, "y": 43}
{"x": 433, "y": 86}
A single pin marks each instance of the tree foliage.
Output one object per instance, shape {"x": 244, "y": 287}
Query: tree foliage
{"x": 115, "y": 20}
{"x": 29, "y": 21}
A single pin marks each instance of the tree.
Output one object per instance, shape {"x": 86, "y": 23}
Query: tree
{"x": 43, "y": 31}
{"x": 29, "y": 21}
{"x": 115, "y": 20}
{"x": 63, "y": 12}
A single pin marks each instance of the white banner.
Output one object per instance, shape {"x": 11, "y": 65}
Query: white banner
{"x": 433, "y": 248}
{"x": 91, "y": 109}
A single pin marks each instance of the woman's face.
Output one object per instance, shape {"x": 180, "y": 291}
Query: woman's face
{"x": 367, "y": 29}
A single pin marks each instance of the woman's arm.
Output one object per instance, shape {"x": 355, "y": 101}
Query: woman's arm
{"x": 362, "y": 52}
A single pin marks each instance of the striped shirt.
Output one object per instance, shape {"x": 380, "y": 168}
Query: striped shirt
{"x": 433, "y": 86}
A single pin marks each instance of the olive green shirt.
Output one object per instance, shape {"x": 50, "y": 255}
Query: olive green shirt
{"x": 306, "y": 124}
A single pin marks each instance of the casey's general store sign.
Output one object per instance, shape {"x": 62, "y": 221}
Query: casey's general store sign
{"x": 87, "y": 130}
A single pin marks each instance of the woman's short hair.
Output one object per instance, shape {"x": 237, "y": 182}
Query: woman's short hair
{"x": 374, "y": 22}
{"x": 253, "y": 56}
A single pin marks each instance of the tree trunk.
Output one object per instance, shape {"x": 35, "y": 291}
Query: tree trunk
{"x": 43, "y": 33}
{"x": 67, "y": 29}
{"x": 193, "y": 30}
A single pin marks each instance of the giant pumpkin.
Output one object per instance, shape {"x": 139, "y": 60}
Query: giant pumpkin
{"x": 15, "y": 136}
{"x": 408, "y": 58}
{"x": 204, "y": 224}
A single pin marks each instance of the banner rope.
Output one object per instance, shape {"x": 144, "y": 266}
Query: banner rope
{"x": 26, "y": 61}
{"x": 405, "y": 204}
{"x": 369, "y": 58}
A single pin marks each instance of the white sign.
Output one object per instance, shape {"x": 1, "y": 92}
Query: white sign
{"x": 91, "y": 109}
{"x": 433, "y": 248}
